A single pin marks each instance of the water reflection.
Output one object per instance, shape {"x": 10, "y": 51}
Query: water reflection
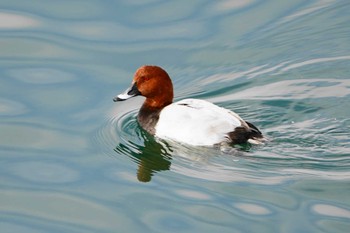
{"x": 152, "y": 157}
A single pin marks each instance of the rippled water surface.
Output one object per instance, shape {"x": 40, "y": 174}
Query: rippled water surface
{"x": 74, "y": 161}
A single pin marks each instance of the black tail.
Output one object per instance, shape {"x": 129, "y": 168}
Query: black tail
{"x": 256, "y": 136}
{"x": 242, "y": 135}
{"x": 255, "y": 131}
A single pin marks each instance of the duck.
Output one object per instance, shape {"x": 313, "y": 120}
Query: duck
{"x": 190, "y": 121}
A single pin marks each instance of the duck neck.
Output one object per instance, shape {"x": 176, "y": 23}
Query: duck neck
{"x": 149, "y": 113}
{"x": 148, "y": 117}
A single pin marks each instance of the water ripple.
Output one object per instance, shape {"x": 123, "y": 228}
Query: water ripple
{"x": 16, "y": 21}
{"x": 44, "y": 172}
{"x": 282, "y": 65}
{"x": 41, "y": 75}
{"x": 11, "y": 108}
{"x": 53, "y": 208}
{"x": 332, "y": 211}
{"x": 123, "y": 133}
{"x": 296, "y": 89}
{"x": 254, "y": 209}
{"x": 313, "y": 61}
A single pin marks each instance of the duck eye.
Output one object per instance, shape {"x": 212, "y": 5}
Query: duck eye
{"x": 145, "y": 78}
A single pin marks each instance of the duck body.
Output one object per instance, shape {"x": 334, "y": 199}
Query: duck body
{"x": 190, "y": 121}
{"x": 196, "y": 122}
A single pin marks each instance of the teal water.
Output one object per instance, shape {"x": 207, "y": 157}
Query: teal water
{"x": 71, "y": 160}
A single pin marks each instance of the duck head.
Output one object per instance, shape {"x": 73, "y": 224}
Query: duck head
{"x": 153, "y": 83}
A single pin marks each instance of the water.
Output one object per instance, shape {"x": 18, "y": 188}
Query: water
{"x": 74, "y": 161}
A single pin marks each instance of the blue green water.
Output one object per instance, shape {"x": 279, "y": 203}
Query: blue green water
{"x": 71, "y": 160}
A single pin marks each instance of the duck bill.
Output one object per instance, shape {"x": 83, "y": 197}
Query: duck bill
{"x": 129, "y": 93}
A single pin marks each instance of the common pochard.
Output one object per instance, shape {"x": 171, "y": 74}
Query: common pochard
{"x": 191, "y": 121}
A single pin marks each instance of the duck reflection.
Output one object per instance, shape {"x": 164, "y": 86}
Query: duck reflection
{"x": 152, "y": 157}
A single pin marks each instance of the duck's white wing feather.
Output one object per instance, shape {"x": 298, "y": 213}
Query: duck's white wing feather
{"x": 196, "y": 122}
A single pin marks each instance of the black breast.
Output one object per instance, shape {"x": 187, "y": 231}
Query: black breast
{"x": 148, "y": 118}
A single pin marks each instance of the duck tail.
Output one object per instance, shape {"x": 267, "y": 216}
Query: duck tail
{"x": 255, "y": 136}
{"x": 248, "y": 133}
